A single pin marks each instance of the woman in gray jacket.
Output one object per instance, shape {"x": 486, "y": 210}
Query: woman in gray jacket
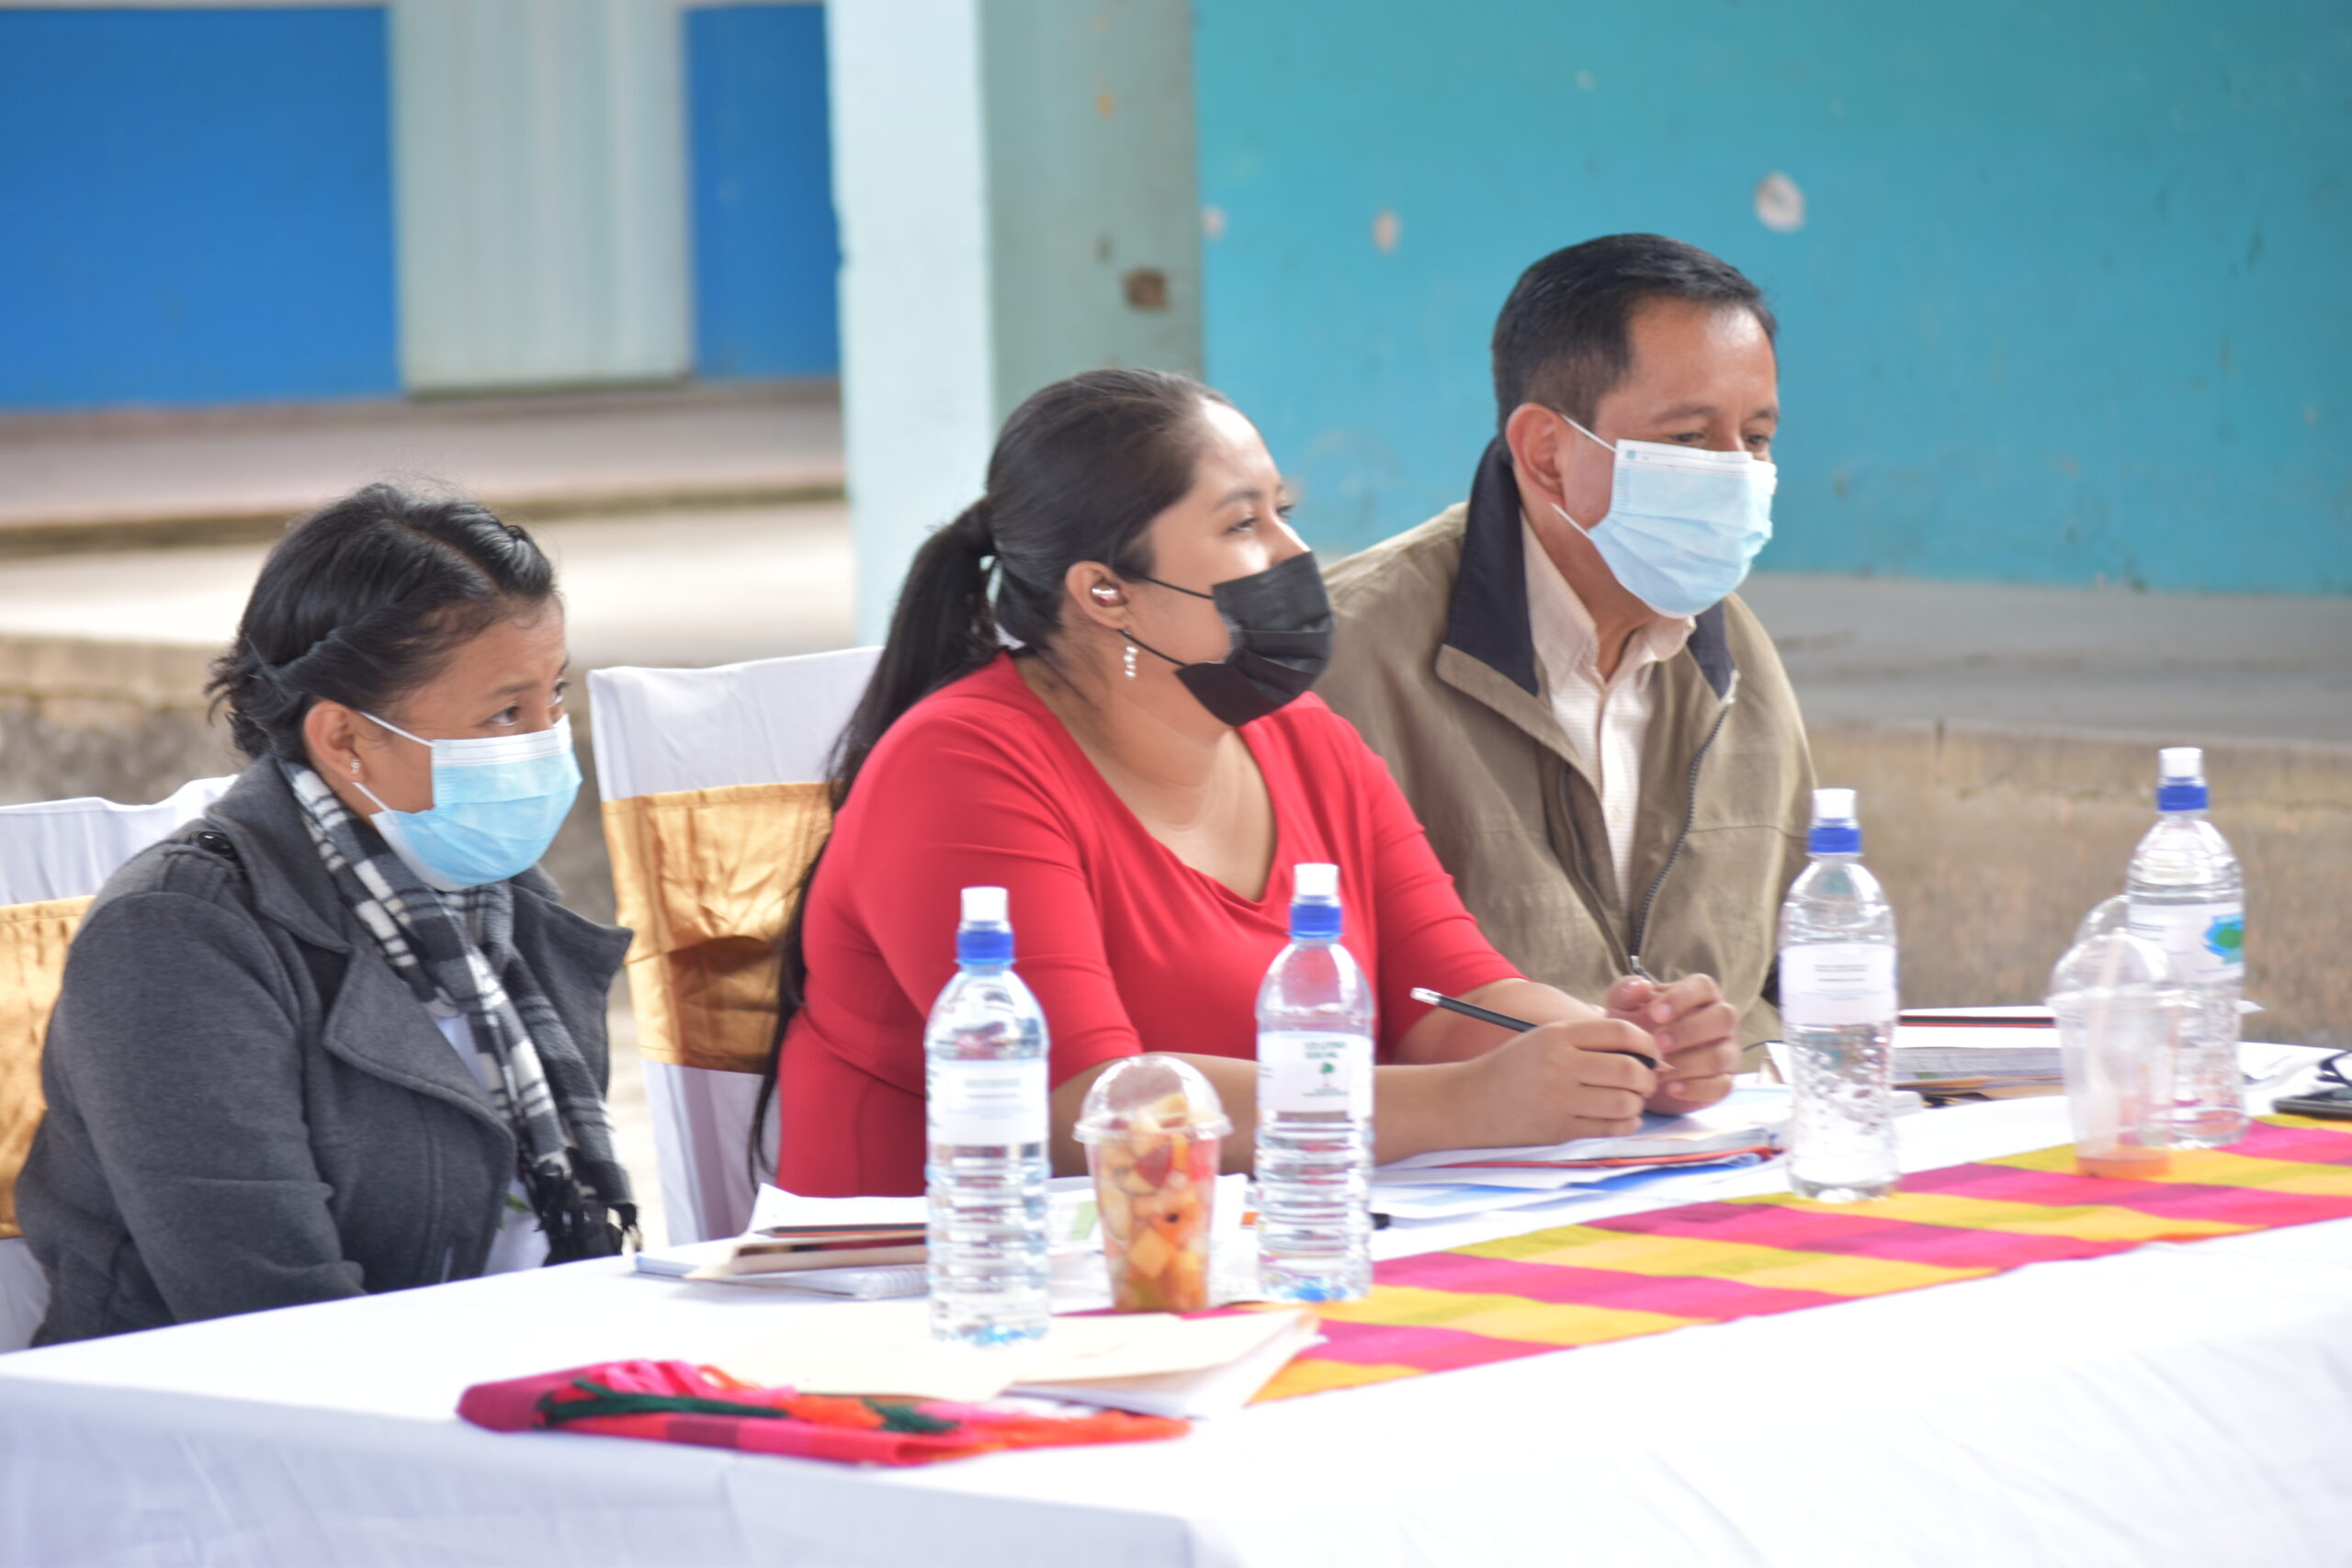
{"x": 338, "y": 1037}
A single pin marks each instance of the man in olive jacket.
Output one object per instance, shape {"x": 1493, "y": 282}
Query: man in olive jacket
{"x": 1596, "y": 732}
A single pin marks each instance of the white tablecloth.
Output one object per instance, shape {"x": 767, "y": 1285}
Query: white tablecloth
{"x": 2187, "y": 1405}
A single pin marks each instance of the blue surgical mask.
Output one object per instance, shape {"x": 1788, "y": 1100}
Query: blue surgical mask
{"x": 1683, "y": 524}
{"x": 497, "y": 802}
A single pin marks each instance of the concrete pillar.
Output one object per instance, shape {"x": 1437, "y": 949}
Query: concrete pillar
{"x": 1018, "y": 202}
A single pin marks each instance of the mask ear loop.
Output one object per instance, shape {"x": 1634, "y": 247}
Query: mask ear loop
{"x": 1153, "y": 651}
{"x": 1606, "y": 446}
{"x": 356, "y": 782}
{"x": 1139, "y": 642}
{"x": 395, "y": 729}
{"x": 370, "y": 794}
{"x": 1572, "y": 522}
{"x": 1173, "y": 589}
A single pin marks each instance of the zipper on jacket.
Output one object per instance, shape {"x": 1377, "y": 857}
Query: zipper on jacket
{"x": 1689, "y": 814}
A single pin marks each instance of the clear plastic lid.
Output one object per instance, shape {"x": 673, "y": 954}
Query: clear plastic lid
{"x": 1149, "y": 1095}
{"x": 2109, "y": 963}
{"x": 2180, "y": 764}
{"x": 1833, "y": 807}
{"x": 2107, "y": 915}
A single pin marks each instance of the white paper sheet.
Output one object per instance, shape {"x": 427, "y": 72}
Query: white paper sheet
{"x": 1756, "y": 1109}
{"x": 886, "y": 1347}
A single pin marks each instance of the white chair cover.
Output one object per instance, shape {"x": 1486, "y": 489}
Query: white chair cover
{"x": 658, "y": 731}
{"x": 67, "y": 849}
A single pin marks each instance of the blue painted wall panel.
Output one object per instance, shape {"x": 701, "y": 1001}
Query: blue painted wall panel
{"x": 765, "y": 245}
{"x": 195, "y": 207}
{"x": 2066, "y": 304}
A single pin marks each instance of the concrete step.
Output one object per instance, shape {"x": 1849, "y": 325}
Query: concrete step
{"x": 641, "y": 587}
{"x": 149, "y": 476}
{"x": 2072, "y": 660}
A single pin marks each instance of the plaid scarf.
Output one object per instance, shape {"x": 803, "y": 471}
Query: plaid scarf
{"x": 455, "y": 952}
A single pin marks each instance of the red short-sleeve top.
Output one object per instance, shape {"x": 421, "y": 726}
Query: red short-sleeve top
{"x": 1127, "y": 949}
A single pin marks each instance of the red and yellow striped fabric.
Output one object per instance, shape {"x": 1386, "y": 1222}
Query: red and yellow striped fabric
{"x": 1711, "y": 1262}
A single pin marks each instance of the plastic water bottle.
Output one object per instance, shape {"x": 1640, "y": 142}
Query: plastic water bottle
{"x": 1314, "y": 1156}
{"x": 984, "y": 1098}
{"x": 1837, "y": 1013}
{"x": 2188, "y": 898}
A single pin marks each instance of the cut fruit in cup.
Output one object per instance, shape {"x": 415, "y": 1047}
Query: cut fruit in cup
{"x": 1153, "y": 1128}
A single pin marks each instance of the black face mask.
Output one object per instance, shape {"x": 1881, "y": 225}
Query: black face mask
{"x": 1280, "y": 621}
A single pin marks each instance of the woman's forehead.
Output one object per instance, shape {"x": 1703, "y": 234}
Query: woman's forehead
{"x": 1233, "y": 454}
{"x": 506, "y": 652}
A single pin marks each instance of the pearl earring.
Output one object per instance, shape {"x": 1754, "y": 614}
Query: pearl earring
{"x": 1131, "y": 662}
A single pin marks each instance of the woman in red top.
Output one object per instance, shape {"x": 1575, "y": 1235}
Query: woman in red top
{"x": 1138, "y": 779}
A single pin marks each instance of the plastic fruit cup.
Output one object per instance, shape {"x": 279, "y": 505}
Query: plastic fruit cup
{"x": 1152, "y": 1144}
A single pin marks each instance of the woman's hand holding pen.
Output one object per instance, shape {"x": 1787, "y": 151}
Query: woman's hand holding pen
{"x": 1559, "y": 1081}
{"x": 1695, "y": 1032}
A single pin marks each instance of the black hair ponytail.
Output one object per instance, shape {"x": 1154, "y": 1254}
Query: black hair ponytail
{"x": 941, "y": 630}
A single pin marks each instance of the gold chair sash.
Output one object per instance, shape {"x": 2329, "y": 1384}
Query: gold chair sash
{"x": 705, "y": 878}
{"x": 33, "y": 939}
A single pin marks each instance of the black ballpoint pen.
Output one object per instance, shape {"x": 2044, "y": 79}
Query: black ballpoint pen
{"x": 1517, "y": 1025}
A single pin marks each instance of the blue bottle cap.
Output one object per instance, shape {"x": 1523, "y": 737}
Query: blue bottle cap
{"x": 1833, "y": 838}
{"x": 2180, "y": 797}
{"x": 983, "y": 945}
{"x": 985, "y": 936}
{"x": 1315, "y": 901}
{"x": 1835, "y": 830}
{"x": 2180, "y": 778}
{"x": 1314, "y": 921}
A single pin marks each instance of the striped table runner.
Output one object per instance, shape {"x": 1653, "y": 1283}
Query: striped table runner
{"x": 1747, "y": 1257}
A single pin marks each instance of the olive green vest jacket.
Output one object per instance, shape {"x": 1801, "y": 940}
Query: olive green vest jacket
{"x": 1434, "y": 664}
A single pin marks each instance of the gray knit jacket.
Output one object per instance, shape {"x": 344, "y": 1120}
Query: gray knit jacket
{"x": 247, "y": 1108}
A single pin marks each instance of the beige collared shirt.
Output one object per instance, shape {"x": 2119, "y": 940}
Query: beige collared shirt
{"x": 1606, "y": 721}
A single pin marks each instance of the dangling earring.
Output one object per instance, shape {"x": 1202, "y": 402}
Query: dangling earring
{"x": 1131, "y": 662}
{"x": 354, "y": 767}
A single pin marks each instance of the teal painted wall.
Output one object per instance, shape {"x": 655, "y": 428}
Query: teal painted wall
{"x": 2071, "y": 300}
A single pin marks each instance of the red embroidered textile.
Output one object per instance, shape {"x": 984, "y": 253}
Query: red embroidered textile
{"x": 673, "y": 1402}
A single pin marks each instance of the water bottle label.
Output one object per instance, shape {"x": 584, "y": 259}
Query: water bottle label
{"x": 986, "y": 1102}
{"x": 2205, "y": 941}
{"x": 1829, "y": 984}
{"x": 1314, "y": 1072}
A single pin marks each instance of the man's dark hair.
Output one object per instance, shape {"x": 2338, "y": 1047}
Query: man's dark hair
{"x": 1561, "y": 340}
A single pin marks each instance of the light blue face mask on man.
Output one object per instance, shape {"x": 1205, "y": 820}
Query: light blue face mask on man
{"x": 497, "y": 801}
{"x": 1683, "y": 524}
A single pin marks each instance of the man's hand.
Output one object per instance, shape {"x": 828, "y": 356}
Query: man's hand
{"x": 1695, "y": 1032}
{"x": 1555, "y": 1082}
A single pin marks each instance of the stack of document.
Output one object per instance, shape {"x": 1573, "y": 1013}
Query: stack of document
{"x": 860, "y": 1248}
{"x": 1995, "y": 1052}
{"x": 1742, "y": 1130}
{"x": 713, "y": 1262}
